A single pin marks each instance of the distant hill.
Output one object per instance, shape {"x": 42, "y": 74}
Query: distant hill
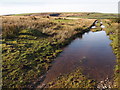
{"x": 92, "y": 15}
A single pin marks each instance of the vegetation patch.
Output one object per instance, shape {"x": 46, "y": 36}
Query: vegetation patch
{"x": 74, "y": 79}
{"x": 30, "y": 44}
{"x": 113, "y": 31}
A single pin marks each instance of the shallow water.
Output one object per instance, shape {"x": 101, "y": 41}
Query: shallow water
{"x": 91, "y": 51}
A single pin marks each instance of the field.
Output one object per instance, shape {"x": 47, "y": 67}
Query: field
{"x": 90, "y": 15}
{"x": 31, "y": 42}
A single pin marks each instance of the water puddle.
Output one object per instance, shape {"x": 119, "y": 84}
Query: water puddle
{"x": 91, "y": 51}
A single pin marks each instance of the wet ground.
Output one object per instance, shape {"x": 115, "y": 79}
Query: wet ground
{"x": 91, "y": 51}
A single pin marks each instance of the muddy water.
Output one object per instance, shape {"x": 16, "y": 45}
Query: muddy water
{"x": 91, "y": 51}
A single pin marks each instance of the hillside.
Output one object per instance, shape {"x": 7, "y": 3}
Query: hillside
{"x": 92, "y": 15}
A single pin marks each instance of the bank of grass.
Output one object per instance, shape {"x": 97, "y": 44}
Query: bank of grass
{"x": 72, "y": 80}
{"x": 30, "y": 44}
{"x": 112, "y": 29}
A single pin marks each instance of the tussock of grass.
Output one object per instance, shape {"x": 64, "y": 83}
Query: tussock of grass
{"x": 13, "y": 25}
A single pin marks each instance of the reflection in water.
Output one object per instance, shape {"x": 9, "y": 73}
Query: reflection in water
{"x": 102, "y": 26}
{"x": 93, "y": 27}
{"x": 93, "y": 50}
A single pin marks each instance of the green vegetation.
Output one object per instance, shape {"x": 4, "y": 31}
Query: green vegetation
{"x": 113, "y": 31}
{"x": 30, "y": 44}
{"x": 96, "y": 29}
{"x": 24, "y": 14}
{"x": 63, "y": 20}
{"x": 93, "y": 15}
{"x": 72, "y": 80}
{"x": 90, "y": 15}
{"x": 25, "y": 58}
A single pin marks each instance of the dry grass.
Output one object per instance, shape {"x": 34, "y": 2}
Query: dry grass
{"x": 13, "y": 24}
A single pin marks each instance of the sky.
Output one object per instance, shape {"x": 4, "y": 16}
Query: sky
{"x": 37, "y": 6}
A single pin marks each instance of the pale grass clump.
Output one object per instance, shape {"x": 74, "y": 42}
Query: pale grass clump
{"x": 12, "y": 25}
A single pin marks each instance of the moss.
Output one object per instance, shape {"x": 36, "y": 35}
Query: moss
{"x": 74, "y": 79}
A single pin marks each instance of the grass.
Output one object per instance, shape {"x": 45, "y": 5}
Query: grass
{"x": 13, "y": 24}
{"x": 26, "y": 58}
{"x": 30, "y": 44}
{"x": 93, "y": 15}
{"x": 24, "y": 14}
{"x": 90, "y": 15}
{"x": 63, "y": 20}
{"x": 112, "y": 29}
{"x": 72, "y": 80}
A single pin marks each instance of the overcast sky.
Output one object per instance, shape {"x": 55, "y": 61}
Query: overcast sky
{"x": 36, "y": 6}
